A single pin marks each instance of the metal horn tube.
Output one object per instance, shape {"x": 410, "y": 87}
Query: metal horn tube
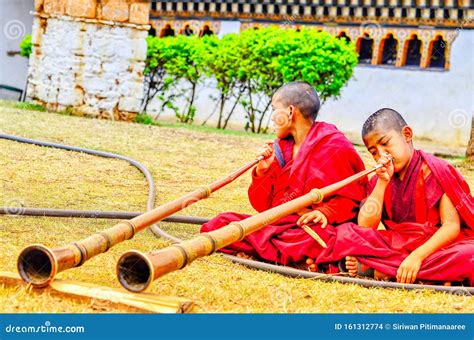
{"x": 38, "y": 264}
{"x": 175, "y": 257}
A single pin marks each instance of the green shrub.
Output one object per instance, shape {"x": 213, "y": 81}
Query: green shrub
{"x": 26, "y": 46}
{"x": 143, "y": 118}
{"x": 248, "y": 67}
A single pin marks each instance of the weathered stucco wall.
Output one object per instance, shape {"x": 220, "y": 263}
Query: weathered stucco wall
{"x": 15, "y": 22}
{"x": 89, "y": 55}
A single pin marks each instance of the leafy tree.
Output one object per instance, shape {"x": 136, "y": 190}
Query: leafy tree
{"x": 256, "y": 74}
{"x": 26, "y": 46}
{"x": 222, "y": 61}
{"x": 248, "y": 68}
{"x": 157, "y": 83}
{"x": 273, "y": 56}
{"x": 185, "y": 61}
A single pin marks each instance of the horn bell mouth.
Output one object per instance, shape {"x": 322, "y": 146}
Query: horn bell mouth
{"x": 135, "y": 271}
{"x": 37, "y": 265}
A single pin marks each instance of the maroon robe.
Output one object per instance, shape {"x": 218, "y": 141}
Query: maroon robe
{"x": 411, "y": 217}
{"x": 325, "y": 157}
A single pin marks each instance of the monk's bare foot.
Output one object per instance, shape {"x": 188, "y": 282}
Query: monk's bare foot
{"x": 381, "y": 276}
{"x": 310, "y": 265}
{"x": 243, "y": 255}
{"x": 351, "y": 265}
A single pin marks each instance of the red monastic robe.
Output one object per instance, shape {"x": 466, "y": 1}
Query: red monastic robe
{"x": 325, "y": 157}
{"x": 411, "y": 217}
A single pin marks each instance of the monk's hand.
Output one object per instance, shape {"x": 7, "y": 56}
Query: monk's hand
{"x": 385, "y": 173}
{"x": 314, "y": 216}
{"x": 268, "y": 153}
{"x": 408, "y": 270}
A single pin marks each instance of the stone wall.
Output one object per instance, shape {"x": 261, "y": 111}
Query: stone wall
{"x": 88, "y": 56}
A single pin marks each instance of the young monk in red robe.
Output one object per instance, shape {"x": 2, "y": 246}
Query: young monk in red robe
{"x": 426, "y": 208}
{"x": 306, "y": 155}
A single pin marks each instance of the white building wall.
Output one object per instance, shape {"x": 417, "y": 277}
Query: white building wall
{"x": 15, "y": 22}
{"x": 437, "y": 104}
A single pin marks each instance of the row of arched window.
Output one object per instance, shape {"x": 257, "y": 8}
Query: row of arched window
{"x": 168, "y": 31}
{"x": 389, "y": 46}
{"x": 365, "y": 45}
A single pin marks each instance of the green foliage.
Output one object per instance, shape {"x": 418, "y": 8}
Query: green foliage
{"x": 30, "y": 106}
{"x": 186, "y": 62}
{"x": 315, "y": 57}
{"x": 26, "y": 46}
{"x": 222, "y": 62}
{"x": 143, "y": 118}
{"x": 157, "y": 83}
{"x": 173, "y": 60}
{"x": 248, "y": 68}
{"x": 273, "y": 56}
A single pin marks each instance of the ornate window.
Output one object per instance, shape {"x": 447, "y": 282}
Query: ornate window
{"x": 344, "y": 36}
{"x": 437, "y": 52}
{"x": 167, "y": 31}
{"x": 412, "y": 51}
{"x": 388, "y": 50}
{"x": 206, "y": 30}
{"x": 187, "y": 30}
{"x": 365, "y": 48}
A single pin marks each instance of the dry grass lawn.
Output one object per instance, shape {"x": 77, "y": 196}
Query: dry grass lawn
{"x": 180, "y": 160}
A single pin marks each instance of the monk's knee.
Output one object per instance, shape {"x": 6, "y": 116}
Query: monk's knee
{"x": 217, "y": 222}
{"x": 205, "y": 228}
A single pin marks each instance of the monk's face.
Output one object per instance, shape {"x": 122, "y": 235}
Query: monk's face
{"x": 282, "y": 116}
{"x": 397, "y": 144}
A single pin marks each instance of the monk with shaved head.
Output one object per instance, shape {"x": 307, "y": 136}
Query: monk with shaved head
{"x": 307, "y": 154}
{"x": 425, "y": 206}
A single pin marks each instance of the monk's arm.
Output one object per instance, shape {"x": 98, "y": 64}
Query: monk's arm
{"x": 446, "y": 234}
{"x": 261, "y": 190}
{"x": 338, "y": 209}
{"x": 370, "y": 214}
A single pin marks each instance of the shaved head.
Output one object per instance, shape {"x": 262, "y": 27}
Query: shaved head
{"x": 384, "y": 119}
{"x": 302, "y": 96}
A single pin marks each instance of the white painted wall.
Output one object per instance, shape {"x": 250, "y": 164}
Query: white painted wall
{"x": 15, "y": 22}
{"x": 438, "y": 104}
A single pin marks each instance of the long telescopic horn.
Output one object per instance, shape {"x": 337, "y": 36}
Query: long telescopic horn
{"x": 137, "y": 270}
{"x": 38, "y": 264}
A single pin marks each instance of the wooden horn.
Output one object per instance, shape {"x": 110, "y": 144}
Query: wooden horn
{"x": 137, "y": 270}
{"x": 38, "y": 264}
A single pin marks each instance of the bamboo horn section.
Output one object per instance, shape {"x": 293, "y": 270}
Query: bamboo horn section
{"x": 137, "y": 270}
{"x": 38, "y": 264}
